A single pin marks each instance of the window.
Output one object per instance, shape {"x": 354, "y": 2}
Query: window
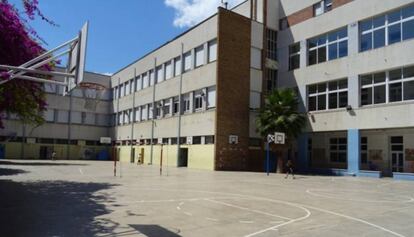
{"x": 138, "y": 83}
{"x": 62, "y": 116}
{"x": 103, "y": 120}
{"x": 49, "y": 115}
{"x": 199, "y": 56}
{"x": 114, "y": 92}
{"x": 127, "y": 88}
{"x": 132, "y": 85}
{"x": 76, "y": 117}
{"x": 337, "y": 149}
{"x": 399, "y": 83}
{"x": 198, "y": 100}
{"x": 145, "y": 82}
{"x": 271, "y": 79}
{"x": 322, "y": 7}
{"x": 212, "y": 51}
{"x": 364, "y": 150}
{"x": 209, "y": 140}
{"x": 187, "y": 61}
{"x": 328, "y": 47}
{"x": 160, "y": 74}
{"x": 88, "y": 118}
{"x": 196, "y": 140}
{"x": 151, "y": 77}
{"x": 144, "y": 113}
{"x": 121, "y": 91}
{"x": 177, "y": 66}
{"x": 294, "y": 56}
{"x": 211, "y": 97}
{"x": 120, "y": 120}
{"x": 168, "y": 70}
{"x": 158, "y": 107}
{"x": 166, "y": 108}
{"x": 173, "y": 141}
{"x": 186, "y": 103}
{"x": 137, "y": 114}
{"x": 271, "y": 44}
{"x": 328, "y": 95}
{"x": 176, "y": 105}
{"x": 150, "y": 111}
{"x": 387, "y": 29}
{"x": 283, "y": 24}
{"x": 165, "y": 141}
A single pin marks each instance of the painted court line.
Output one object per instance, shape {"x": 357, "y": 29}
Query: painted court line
{"x": 312, "y": 192}
{"x": 248, "y": 209}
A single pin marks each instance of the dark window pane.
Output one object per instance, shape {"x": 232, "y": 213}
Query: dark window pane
{"x": 312, "y": 89}
{"x": 294, "y": 48}
{"x": 408, "y": 30}
{"x": 379, "y": 38}
{"x": 342, "y": 157}
{"x": 333, "y": 140}
{"x": 333, "y": 85}
{"x": 408, "y": 11}
{"x": 343, "y": 33}
{"x": 342, "y": 140}
{"x": 379, "y": 21}
{"x": 364, "y": 147}
{"x": 366, "y": 25}
{"x": 395, "y": 74}
{"x": 397, "y": 147}
{"x": 321, "y": 102}
{"x": 342, "y": 84}
{"x": 312, "y": 57}
{"x": 394, "y": 34}
{"x": 333, "y": 101}
{"x": 395, "y": 92}
{"x": 332, "y": 36}
{"x": 343, "y": 99}
{"x": 312, "y": 103}
{"x": 366, "y": 96}
{"x": 366, "y": 80}
{"x": 379, "y": 77}
{"x": 334, "y": 156}
{"x": 312, "y": 43}
{"x": 321, "y": 54}
{"x": 343, "y": 49}
{"x": 333, "y": 51}
{"x": 366, "y": 42}
{"x": 408, "y": 72}
{"x": 294, "y": 62}
{"x": 397, "y": 139}
{"x": 322, "y": 87}
{"x": 322, "y": 40}
{"x": 409, "y": 90}
{"x": 379, "y": 94}
{"x": 394, "y": 16}
{"x": 364, "y": 158}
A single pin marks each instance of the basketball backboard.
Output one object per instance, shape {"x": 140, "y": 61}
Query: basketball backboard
{"x": 74, "y": 49}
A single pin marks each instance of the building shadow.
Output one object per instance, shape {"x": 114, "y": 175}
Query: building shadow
{"x": 154, "y": 231}
{"x": 9, "y": 172}
{"x": 53, "y": 208}
{"x": 34, "y": 163}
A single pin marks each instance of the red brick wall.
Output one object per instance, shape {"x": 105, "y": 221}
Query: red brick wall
{"x": 233, "y": 90}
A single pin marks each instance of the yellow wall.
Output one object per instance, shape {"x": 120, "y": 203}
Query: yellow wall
{"x": 199, "y": 156}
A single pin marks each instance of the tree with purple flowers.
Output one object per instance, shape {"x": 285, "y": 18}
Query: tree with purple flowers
{"x": 19, "y": 43}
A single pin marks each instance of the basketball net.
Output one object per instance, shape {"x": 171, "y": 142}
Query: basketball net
{"x": 92, "y": 93}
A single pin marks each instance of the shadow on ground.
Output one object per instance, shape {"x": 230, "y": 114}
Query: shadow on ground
{"x": 8, "y": 172}
{"x": 53, "y": 208}
{"x": 34, "y": 163}
{"x": 154, "y": 231}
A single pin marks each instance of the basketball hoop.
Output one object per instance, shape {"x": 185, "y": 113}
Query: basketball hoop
{"x": 92, "y": 92}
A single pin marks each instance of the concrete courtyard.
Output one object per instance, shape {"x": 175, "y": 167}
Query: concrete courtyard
{"x": 83, "y": 198}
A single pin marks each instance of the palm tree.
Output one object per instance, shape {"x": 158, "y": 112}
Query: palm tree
{"x": 280, "y": 114}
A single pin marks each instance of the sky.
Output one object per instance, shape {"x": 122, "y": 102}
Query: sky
{"x": 120, "y": 31}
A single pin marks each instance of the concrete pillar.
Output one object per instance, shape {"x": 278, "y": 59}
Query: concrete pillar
{"x": 303, "y": 54}
{"x": 303, "y": 159}
{"x": 353, "y": 39}
{"x": 302, "y": 98}
{"x": 353, "y": 89}
{"x": 354, "y": 151}
{"x": 192, "y": 102}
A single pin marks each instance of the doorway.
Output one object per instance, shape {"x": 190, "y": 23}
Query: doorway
{"x": 2, "y": 151}
{"x": 183, "y": 157}
{"x": 45, "y": 152}
{"x": 397, "y": 154}
{"x": 133, "y": 155}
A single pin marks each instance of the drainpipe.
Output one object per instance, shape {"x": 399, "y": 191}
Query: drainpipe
{"x": 180, "y": 107}
{"x": 153, "y": 104}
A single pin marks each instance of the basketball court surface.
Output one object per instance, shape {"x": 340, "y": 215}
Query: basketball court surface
{"x": 83, "y": 198}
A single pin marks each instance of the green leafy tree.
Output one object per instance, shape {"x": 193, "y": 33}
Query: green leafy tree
{"x": 280, "y": 114}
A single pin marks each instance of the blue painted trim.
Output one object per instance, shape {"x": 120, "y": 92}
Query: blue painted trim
{"x": 369, "y": 173}
{"x": 403, "y": 176}
{"x": 354, "y": 151}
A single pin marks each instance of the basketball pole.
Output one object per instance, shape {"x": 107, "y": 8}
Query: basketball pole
{"x": 161, "y": 159}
